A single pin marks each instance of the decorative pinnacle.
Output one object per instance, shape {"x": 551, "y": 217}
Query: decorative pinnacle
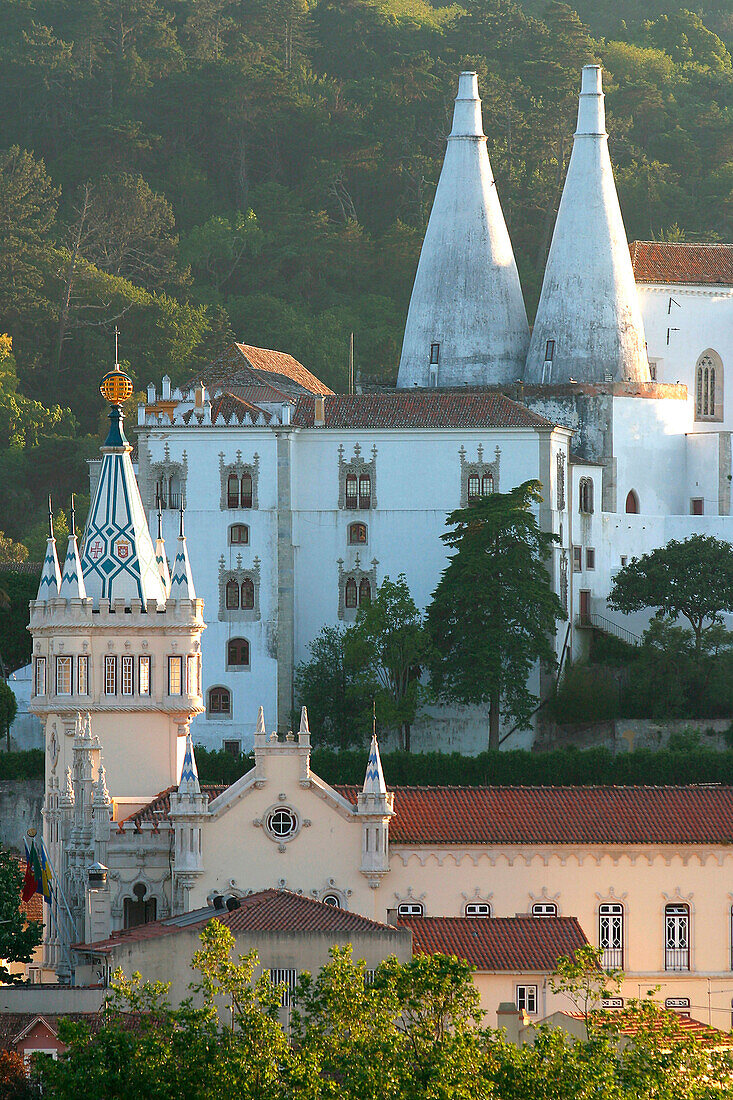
{"x": 50, "y": 518}
{"x": 73, "y": 516}
{"x": 160, "y": 521}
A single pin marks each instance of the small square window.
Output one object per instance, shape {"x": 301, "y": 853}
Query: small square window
{"x": 697, "y": 506}
{"x": 590, "y": 558}
{"x": 577, "y": 559}
{"x": 624, "y": 561}
{"x": 233, "y": 747}
{"x": 527, "y": 999}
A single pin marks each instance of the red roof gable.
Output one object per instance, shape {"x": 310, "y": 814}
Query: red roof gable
{"x": 264, "y": 911}
{"x": 526, "y": 944}
{"x": 245, "y": 364}
{"x": 460, "y": 408}
{"x": 697, "y": 264}
{"x": 560, "y": 815}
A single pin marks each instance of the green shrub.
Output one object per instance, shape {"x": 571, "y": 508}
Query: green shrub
{"x": 22, "y": 765}
{"x": 586, "y": 694}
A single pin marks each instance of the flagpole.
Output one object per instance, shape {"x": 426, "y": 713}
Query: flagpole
{"x": 59, "y": 888}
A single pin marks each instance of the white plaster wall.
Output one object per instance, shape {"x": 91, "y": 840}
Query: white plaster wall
{"x": 703, "y": 473}
{"x": 681, "y": 322}
{"x": 26, "y": 731}
{"x": 649, "y": 448}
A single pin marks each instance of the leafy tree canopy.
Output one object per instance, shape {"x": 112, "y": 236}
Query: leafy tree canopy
{"x": 19, "y": 937}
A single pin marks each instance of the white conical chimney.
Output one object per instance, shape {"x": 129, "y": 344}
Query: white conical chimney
{"x": 588, "y": 326}
{"x": 466, "y": 322}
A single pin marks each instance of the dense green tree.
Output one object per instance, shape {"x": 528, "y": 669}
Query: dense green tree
{"x": 386, "y": 648}
{"x": 8, "y": 710}
{"x": 338, "y": 701}
{"x": 19, "y": 937}
{"x": 692, "y": 579}
{"x": 15, "y": 641}
{"x": 493, "y": 615}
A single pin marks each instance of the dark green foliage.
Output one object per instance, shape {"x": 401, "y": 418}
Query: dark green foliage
{"x": 585, "y": 695}
{"x": 15, "y": 641}
{"x": 218, "y": 766}
{"x": 8, "y": 710}
{"x": 22, "y": 765}
{"x": 338, "y": 698}
{"x": 18, "y": 936}
{"x": 494, "y": 614}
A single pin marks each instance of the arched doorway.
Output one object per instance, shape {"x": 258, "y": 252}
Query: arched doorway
{"x": 632, "y": 503}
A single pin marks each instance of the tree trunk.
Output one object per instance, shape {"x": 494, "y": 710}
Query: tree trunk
{"x": 406, "y": 736}
{"x": 494, "y": 722}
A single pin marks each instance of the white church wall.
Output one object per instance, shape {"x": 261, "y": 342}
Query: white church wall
{"x": 681, "y": 322}
{"x": 649, "y": 448}
{"x": 703, "y": 472}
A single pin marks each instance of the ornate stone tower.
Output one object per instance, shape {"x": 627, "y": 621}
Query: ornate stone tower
{"x": 466, "y": 323}
{"x": 588, "y": 326}
{"x": 112, "y": 644}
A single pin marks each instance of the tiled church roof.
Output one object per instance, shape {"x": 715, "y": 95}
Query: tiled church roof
{"x": 560, "y": 815}
{"x": 527, "y": 944}
{"x": 420, "y": 409}
{"x": 539, "y": 815}
{"x": 244, "y": 365}
{"x": 265, "y": 911}
{"x": 697, "y": 264}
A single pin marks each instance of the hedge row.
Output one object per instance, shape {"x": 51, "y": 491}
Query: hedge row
{"x": 562, "y": 767}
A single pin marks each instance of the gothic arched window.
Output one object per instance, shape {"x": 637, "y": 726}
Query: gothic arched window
{"x": 709, "y": 387}
{"x": 632, "y": 503}
{"x": 139, "y": 909}
{"x": 248, "y": 594}
{"x": 238, "y": 653}
{"x": 351, "y": 593}
{"x": 232, "y": 596}
{"x": 365, "y": 592}
{"x": 586, "y": 495}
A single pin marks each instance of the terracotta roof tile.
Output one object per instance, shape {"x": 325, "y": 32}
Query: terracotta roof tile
{"x": 498, "y": 943}
{"x": 264, "y": 911}
{"x": 13, "y": 1024}
{"x": 244, "y": 364}
{"x": 560, "y": 815}
{"x": 158, "y": 808}
{"x": 461, "y": 408}
{"x": 698, "y": 264}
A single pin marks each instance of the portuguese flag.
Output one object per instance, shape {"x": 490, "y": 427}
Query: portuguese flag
{"x": 36, "y": 879}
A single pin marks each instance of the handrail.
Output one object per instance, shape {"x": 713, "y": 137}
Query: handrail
{"x": 592, "y": 619}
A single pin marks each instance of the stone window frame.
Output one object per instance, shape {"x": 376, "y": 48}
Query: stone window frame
{"x": 239, "y": 573}
{"x": 238, "y": 667}
{"x": 357, "y": 574}
{"x": 239, "y": 467}
{"x": 357, "y": 466}
{"x": 219, "y": 715}
{"x": 708, "y": 384}
{"x": 480, "y": 468}
{"x": 560, "y": 482}
{"x": 168, "y": 468}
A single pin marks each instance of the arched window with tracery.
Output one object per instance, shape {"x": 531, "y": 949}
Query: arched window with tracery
{"x": 246, "y": 490}
{"x": 352, "y": 491}
{"x": 365, "y": 592}
{"x": 232, "y": 491}
{"x": 238, "y": 653}
{"x": 139, "y": 909}
{"x": 632, "y": 503}
{"x": 232, "y": 596}
{"x": 586, "y": 495}
{"x": 709, "y": 387}
{"x": 248, "y": 594}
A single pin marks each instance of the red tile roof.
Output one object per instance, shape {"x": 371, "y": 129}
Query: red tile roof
{"x": 244, "y": 364}
{"x": 460, "y": 408}
{"x": 158, "y": 808}
{"x": 697, "y": 264}
{"x": 498, "y": 943}
{"x": 13, "y": 1024}
{"x": 560, "y": 815}
{"x": 265, "y": 911}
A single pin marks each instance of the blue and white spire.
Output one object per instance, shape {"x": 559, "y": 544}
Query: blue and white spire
{"x": 50, "y": 582}
{"x": 118, "y": 558}
{"x": 182, "y": 586}
{"x": 160, "y": 555}
{"x": 72, "y": 578}
{"x": 374, "y": 778}
{"x": 189, "y": 781}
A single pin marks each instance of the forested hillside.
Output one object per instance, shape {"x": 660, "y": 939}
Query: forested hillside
{"x": 193, "y": 170}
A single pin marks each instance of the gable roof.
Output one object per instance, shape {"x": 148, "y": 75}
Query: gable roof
{"x": 521, "y": 943}
{"x": 245, "y": 365}
{"x": 420, "y": 408}
{"x": 265, "y": 911}
{"x": 696, "y": 264}
{"x": 14, "y": 1026}
{"x": 560, "y": 815}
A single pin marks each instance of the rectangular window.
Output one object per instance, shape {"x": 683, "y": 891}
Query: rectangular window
{"x": 611, "y": 935}
{"x": 63, "y": 675}
{"x": 697, "y": 506}
{"x": 478, "y": 909}
{"x": 82, "y": 675}
{"x": 652, "y": 370}
{"x": 40, "y": 682}
{"x": 110, "y": 675}
{"x": 232, "y": 747}
{"x": 143, "y": 675}
{"x": 590, "y": 558}
{"x": 192, "y": 674}
{"x": 677, "y": 937}
{"x": 289, "y": 979}
{"x": 544, "y": 909}
{"x": 175, "y": 675}
{"x": 527, "y": 999}
{"x": 577, "y": 559}
{"x": 434, "y": 354}
{"x": 127, "y": 675}
{"x": 549, "y": 351}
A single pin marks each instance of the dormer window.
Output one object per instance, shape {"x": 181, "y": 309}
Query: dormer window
{"x": 434, "y": 354}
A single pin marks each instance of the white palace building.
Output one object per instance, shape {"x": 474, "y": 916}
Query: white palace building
{"x": 300, "y": 501}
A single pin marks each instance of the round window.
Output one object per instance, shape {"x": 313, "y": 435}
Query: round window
{"x": 282, "y": 823}
{"x": 332, "y": 899}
